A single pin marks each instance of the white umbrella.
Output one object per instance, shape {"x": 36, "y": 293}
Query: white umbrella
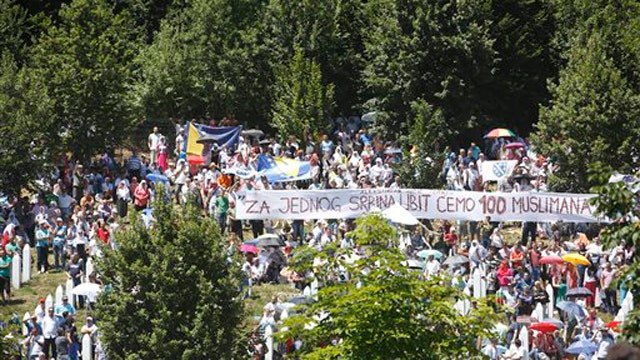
{"x": 399, "y": 215}
{"x": 86, "y": 289}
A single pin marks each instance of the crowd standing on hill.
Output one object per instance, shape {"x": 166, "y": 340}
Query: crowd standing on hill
{"x": 82, "y": 206}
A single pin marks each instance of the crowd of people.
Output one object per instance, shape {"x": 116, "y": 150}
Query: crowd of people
{"x": 82, "y": 207}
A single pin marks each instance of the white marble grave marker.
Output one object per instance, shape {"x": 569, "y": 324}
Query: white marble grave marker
{"x": 26, "y": 263}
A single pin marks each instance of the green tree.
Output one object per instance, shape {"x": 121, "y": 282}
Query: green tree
{"x": 13, "y": 27}
{"x": 617, "y": 22}
{"x": 619, "y": 203}
{"x": 330, "y": 32}
{"x": 25, "y": 124}
{"x": 208, "y": 59}
{"x": 385, "y": 311}
{"x": 86, "y": 61}
{"x": 173, "y": 293}
{"x": 522, "y": 31}
{"x": 593, "y": 116}
{"x": 302, "y": 102}
{"x": 439, "y": 51}
{"x": 427, "y": 147}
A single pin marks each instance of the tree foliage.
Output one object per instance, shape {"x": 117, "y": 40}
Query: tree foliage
{"x": 173, "y": 293}
{"x": 594, "y": 116}
{"x": 439, "y": 51}
{"x": 303, "y": 103}
{"x": 207, "y": 60}
{"x": 620, "y": 202}
{"x": 86, "y": 61}
{"x": 427, "y": 147}
{"x": 25, "y": 125}
{"x": 384, "y": 311}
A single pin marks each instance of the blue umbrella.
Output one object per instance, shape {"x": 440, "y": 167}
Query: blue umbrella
{"x": 582, "y": 347}
{"x": 425, "y": 253}
{"x": 153, "y": 177}
{"x": 571, "y": 308}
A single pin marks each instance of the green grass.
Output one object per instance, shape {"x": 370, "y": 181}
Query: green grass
{"x": 26, "y": 298}
{"x": 262, "y": 294}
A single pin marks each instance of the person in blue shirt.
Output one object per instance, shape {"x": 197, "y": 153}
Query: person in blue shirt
{"x": 43, "y": 235}
{"x": 65, "y": 307}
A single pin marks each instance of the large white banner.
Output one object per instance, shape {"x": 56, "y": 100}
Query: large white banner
{"x": 423, "y": 204}
{"x": 496, "y": 170}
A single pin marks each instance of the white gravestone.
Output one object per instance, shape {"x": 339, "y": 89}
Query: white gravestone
{"x": 15, "y": 271}
{"x": 87, "y": 347}
{"x": 59, "y": 294}
{"x": 26, "y": 263}
{"x": 268, "y": 334}
{"x": 524, "y": 339}
{"x": 48, "y": 302}
{"x": 550, "y": 304}
{"x": 69, "y": 287}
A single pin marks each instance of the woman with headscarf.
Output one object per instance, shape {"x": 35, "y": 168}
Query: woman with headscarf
{"x": 504, "y": 274}
{"x": 163, "y": 152}
{"x": 141, "y": 196}
{"x": 123, "y": 196}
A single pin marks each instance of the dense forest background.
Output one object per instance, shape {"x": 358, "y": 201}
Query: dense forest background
{"x": 81, "y": 75}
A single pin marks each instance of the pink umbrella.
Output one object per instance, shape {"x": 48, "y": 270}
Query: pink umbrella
{"x": 514, "y": 145}
{"x": 551, "y": 259}
{"x": 248, "y": 248}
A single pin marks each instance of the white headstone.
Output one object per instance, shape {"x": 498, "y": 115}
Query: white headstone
{"x": 69, "y": 287}
{"x": 15, "y": 271}
{"x": 89, "y": 268}
{"x": 598, "y": 300}
{"x": 538, "y": 312}
{"x": 59, "y": 294}
{"x": 466, "y": 291}
{"x": 48, "y": 302}
{"x": 306, "y": 291}
{"x": 476, "y": 283}
{"x": 314, "y": 287}
{"x": 25, "y": 318}
{"x": 483, "y": 282}
{"x": 86, "y": 347}
{"x": 550, "y": 305}
{"x": 524, "y": 339}
{"x": 284, "y": 314}
{"x": 463, "y": 307}
{"x": 26, "y": 263}
{"x": 268, "y": 334}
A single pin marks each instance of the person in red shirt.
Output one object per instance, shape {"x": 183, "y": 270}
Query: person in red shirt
{"x": 451, "y": 239}
{"x": 517, "y": 256}
{"x": 103, "y": 232}
{"x": 141, "y": 196}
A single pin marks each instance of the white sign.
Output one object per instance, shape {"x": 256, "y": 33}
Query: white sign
{"x": 423, "y": 204}
{"x": 496, "y": 170}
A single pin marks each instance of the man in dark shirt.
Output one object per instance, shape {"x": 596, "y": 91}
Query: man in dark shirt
{"x": 62, "y": 345}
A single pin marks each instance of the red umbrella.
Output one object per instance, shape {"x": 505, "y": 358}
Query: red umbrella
{"x": 544, "y": 327}
{"x": 614, "y": 325}
{"x": 248, "y": 248}
{"x": 551, "y": 259}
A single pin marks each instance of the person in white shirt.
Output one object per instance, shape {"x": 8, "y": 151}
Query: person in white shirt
{"x": 515, "y": 352}
{"x": 432, "y": 267}
{"x": 490, "y": 350}
{"x": 179, "y": 142}
{"x": 152, "y": 143}
{"x": 34, "y": 344}
{"x": 89, "y": 328}
{"x": 49, "y": 332}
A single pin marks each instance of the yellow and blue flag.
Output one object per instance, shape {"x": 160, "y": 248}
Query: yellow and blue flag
{"x": 278, "y": 169}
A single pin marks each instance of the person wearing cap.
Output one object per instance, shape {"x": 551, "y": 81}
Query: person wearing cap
{"x": 89, "y": 328}
{"x": 65, "y": 307}
{"x": 43, "y": 236}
